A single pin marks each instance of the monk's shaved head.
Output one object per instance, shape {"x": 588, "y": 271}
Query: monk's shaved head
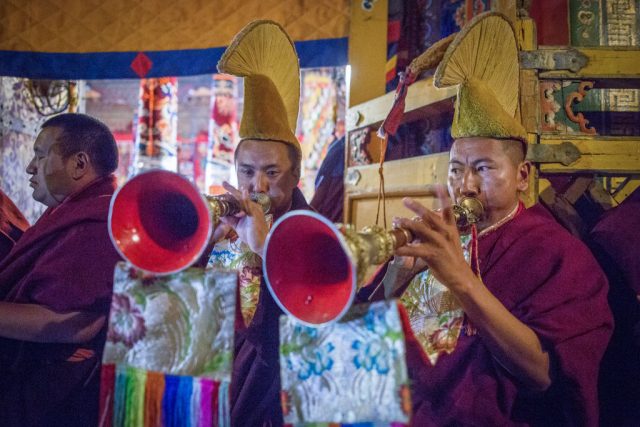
{"x": 514, "y": 149}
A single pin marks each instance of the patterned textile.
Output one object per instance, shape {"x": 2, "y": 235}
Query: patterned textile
{"x": 236, "y": 255}
{"x": 176, "y": 38}
{"x": 169, "y": 348}
{"x": 125, "y": 160}
{"x": 321, "y": 119}
{"x": 224, "y": 117}
{"x": 430, "y": 135}
{"x": 19, "y": 125}
{"x": 156, "y": 134}
{"x": 353, "y": 371}
{"x": 223, "y": 130}
{"x": 435, "y": 317}
{"x": 192, "y": 159}
{"x": 416, "y": 25}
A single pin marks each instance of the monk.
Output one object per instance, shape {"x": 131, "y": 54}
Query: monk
{"x": 56, "y": 284}
{"x": 615, "y": 242}
{"x": 328, "y": 198}
{"x": 12, "y": 225}
{"x": 535, "y": 320}
{"x": 268, "y": 160}
{"x": 509, "y": 316}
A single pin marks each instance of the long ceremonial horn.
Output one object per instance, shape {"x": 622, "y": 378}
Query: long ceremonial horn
{"x": 313, "y": 267}
{"x": 160, "y": 223}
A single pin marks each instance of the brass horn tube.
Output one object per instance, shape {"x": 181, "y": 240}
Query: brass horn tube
{"x": 466, "y": 213}
{"x": 373, "y": 245}
{"x": 227, "y": 205}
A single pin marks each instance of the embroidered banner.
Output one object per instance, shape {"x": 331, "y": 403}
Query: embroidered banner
{"x": 436, "y": 318}
{"x": 352, "y": 371}
{"x": 169, "y": 349}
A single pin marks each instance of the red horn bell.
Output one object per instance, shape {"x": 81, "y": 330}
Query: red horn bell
{"x": 159, "y": 222}
{"x": 308, "y": 269}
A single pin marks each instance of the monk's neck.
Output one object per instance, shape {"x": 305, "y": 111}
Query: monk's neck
{"x": 496, "y": 225}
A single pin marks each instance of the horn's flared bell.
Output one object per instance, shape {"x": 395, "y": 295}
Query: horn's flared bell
{"x": 313, "y": 267}
{"x": 159, "y": 222}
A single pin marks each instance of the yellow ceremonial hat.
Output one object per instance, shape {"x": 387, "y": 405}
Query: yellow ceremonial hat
{"x": 265, "y": 56}
{"x": 483, "y": 62}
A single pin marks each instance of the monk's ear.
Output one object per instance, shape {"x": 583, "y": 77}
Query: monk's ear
{"x": 80, "y": 165}
{"x": 295, "y": 171}
{"x": 524, "y": 169}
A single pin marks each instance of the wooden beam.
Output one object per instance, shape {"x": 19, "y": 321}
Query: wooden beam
{"x": 406, "y": 177}
{"x": 600, "y": 154}
{"x": 421, "y": 94}
{"x": 606, "y": 62}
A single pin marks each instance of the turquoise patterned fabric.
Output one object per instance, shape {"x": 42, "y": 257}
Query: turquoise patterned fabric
{"x": 352, "y": 371}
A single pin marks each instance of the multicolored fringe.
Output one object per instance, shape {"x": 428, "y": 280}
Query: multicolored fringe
{"x": 131, "y": 397}
{"x": 378, "y": 424}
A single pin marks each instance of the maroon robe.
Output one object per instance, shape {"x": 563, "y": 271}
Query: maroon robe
{"x": 12, "y": 225}
{"x": 550, "y": 281}
{"x": 615, "y": 241}
{"x": 328, "y": 199}
{"x": 255, "y": 382}
{"x": 617, "y": 234}
{"x": 64, "y": 262}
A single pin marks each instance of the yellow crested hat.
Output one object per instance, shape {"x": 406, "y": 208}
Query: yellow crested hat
{"x": 263, "y": 53}
{"x": 483, "y": 62}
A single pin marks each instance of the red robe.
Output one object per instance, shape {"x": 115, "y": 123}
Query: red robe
{"x": 615, "y": 241}
{"x": 255, "y": 382}
{"x": 550, "y": 281}
{"x": 64, "y": 262}
{"x": 617, "y": 234}
{"x": 12, "y": 225}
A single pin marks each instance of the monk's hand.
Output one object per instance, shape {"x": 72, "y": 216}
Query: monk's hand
{"x": 250, "y": 223}
{"x": 220, "y": 232}
{"x": 408, "y": 263}
{"x": 436, "y": 240}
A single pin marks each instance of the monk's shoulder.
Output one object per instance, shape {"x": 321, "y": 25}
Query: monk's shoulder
{"x": 538, "y": 229}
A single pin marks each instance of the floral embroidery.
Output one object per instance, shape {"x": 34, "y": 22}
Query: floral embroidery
{"x": 181, "y": 324}
{"x": 434, "y": 315}
{"x": 313, "y": 361}
{"x": 127, "y": 321}
{"x": 360, "y": 358}
{"x": 372, "y": 355}
{"x": 238, "y": 256}
{"x": 377, "y": 354}
{"x": 306, "y": 357}
{"x": 445, "y": 338}
{"x": 249, "y": 283}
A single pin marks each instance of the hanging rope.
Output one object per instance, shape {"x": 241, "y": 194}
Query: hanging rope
{"x": 381, "y": 192}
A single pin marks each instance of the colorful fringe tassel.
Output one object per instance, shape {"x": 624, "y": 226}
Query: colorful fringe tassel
{"x": 376, "y": 424}
{"x": 131, "y": 397}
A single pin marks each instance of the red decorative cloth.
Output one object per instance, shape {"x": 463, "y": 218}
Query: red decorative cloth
{"x": 12, "y": 225}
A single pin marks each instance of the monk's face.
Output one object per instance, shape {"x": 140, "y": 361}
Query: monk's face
{"x": 265, "y": 167}
{"x": 491, "y": 171}
{"x": 50, "y": 174}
